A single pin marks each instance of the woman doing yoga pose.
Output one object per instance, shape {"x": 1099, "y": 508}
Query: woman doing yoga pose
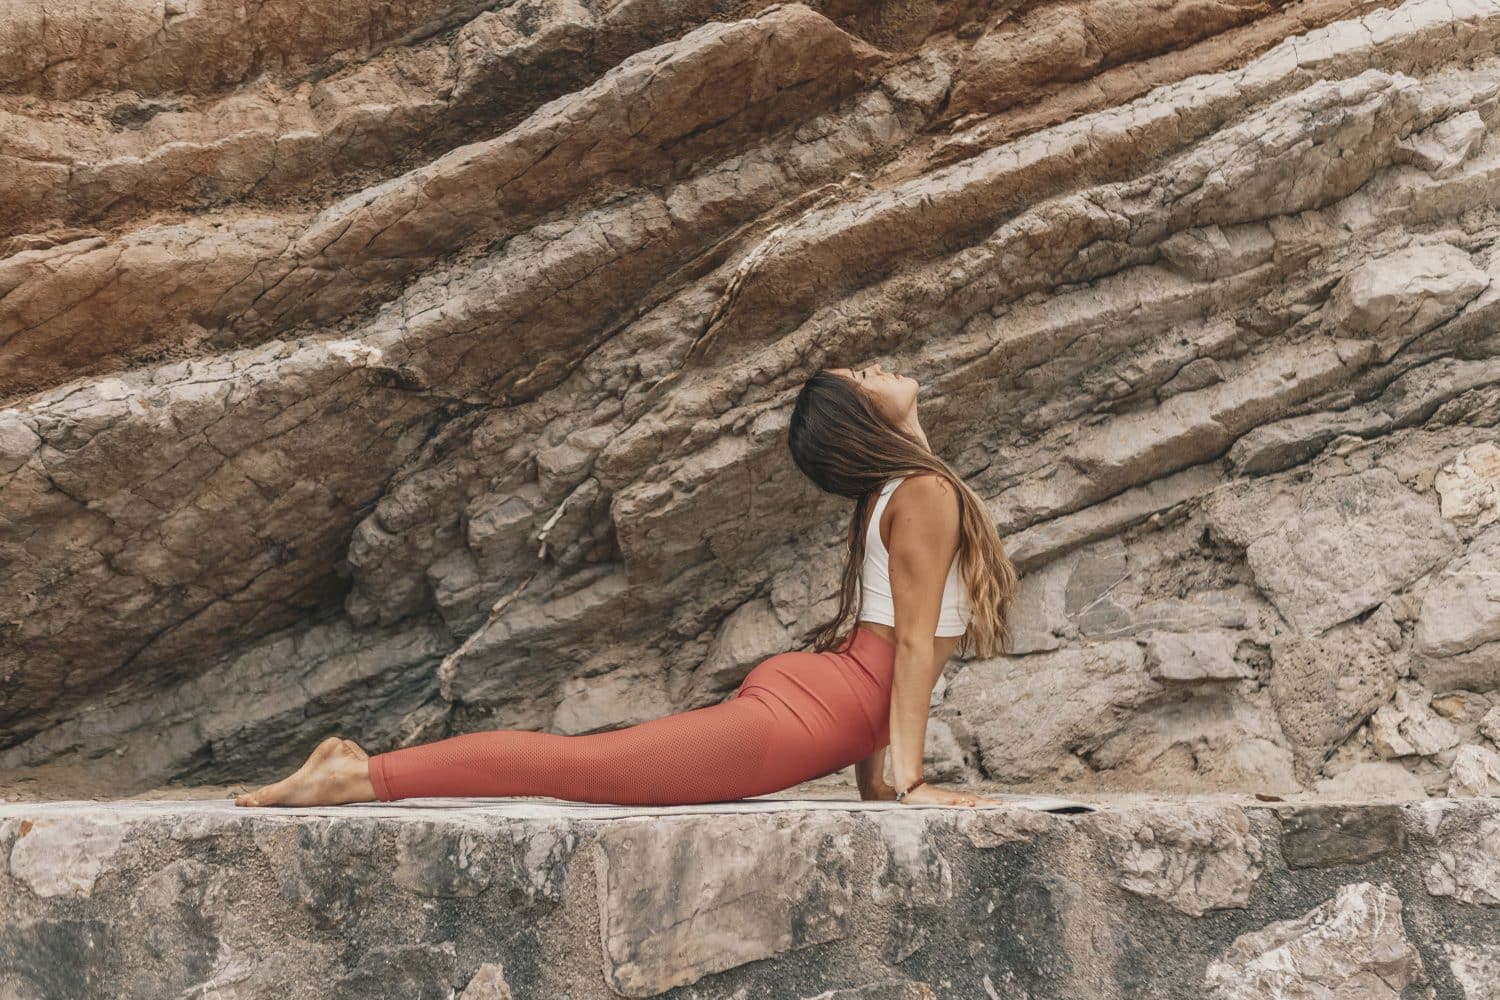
{"x": 926, "y": 574}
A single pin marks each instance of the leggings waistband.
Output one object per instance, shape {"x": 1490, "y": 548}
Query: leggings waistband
{"x": 875, "y": 657}
{"x": 869, "y": 647}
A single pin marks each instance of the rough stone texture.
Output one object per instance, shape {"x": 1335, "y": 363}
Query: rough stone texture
{"x": 835, "y": 900}
{"x": 1354, "y": 945}
{"x": 403, "y": 370}
{"x": 1477, "y": 971}
{"x": 1465, "y": 853}
{"x": 1475, "y": 771}
{"x": 1325, "y": 836}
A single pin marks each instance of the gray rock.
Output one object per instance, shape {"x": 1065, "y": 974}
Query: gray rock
{"x": 773, "y": 896}
{"x": 1373, "y": 780}
{"x": 1442, "y": 148}
{"x": 1326, "y": 836}
{"x": 1393, "y": 298}
{"x": 1462, "y": 855}
{"x": 1409, "y": 727}
{"x": 1354, "y": 944}
{"x": 1029, "y": 713}
{"x": 684, "y": 898}
{"x": 1195, "y": 656}
{"x": 1469, "y": 486}
{"x": 65, "y": 856}
{"x": 1490, "y": 725}
{"x": 1458, "y": 631}
{"x": 1331, "y": 560}
{"x": 1207, "y": 860}
{"x": 1477, "y": 970}
{"x": 1475, "y": 771}
{"x": 1325, "y": 687}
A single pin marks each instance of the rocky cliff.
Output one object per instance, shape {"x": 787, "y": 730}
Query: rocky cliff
{"x": 400, "y": 370}
{"x": 1208, "y": 900}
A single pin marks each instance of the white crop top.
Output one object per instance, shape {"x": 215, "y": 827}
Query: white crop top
{"x": 875, "y": 579}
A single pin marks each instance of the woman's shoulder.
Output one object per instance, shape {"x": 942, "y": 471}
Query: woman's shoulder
{"x": 927, "y": 486}
{"x": 926, "y": 491}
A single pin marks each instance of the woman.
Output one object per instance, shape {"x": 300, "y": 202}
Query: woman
{"x": 926, "y": 573}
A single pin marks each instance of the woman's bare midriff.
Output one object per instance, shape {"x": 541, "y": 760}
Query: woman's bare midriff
{"x": 942, "y": 645}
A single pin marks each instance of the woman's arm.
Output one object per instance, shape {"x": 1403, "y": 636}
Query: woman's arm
{"x": 869, "y": 774}
{"x": 924, "y": 539}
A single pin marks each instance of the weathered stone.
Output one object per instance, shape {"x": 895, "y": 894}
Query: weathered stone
{"x": 300, "y": 853}
{"x": 1332, "y": 559}
{"x": 1325, "y": 687}
{"x": 1409, "y": 727}
{"x": 1326, "y": 836}
{"x": 1463, "y": 708}
{"x": 433, "y": 860}
{"x": 418, "y": 371}
{"x": 1194, "y": 863}
{"x": 487, "y": 983}
{"x": 1463, "y": 858}
{"x": 64, "y": 856}
{"x": 1469, "y": 486}
{"x": 750, "y": 634}
{"x": 1011, "y": 898}
{"x": 915, "y": 871}
{"x": 1475, "y": 771}
{"x": 1373, "y": 780}
{"x": 680, "y": 899}
{"x": 1393, "y": 298}
{"x": 1457, "y": 638}
{"x": 1490, "y": 725}
{"x": 1353, "y": 945}
{"x": 1030, "y": 713}
{"x": 943, "y": 757}
{"x": 1477, "y": 970}
{"x": 1208, "y": 742}
{"x": 1195, "y": 656}
{"x": 1442, "y": 148}
{"x": 622, "y": 697}
{"x": 1041, "y": 609}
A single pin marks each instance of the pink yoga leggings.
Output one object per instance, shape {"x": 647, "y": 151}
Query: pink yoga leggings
{"x": 797, "y": 715}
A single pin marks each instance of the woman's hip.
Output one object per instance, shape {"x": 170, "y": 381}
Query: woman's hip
{"x": 831, "y": 693}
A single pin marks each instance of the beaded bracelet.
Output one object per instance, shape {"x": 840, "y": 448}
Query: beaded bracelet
{"x": 902, "y": 794}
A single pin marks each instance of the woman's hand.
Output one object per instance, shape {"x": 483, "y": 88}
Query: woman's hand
{"x": 931, "y": 795}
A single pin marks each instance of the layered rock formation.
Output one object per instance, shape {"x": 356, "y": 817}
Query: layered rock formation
{"x": 404, "y": 370}
{"x": 835, "y": 901}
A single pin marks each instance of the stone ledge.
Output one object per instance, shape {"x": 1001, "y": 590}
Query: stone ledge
{"x": 769, "y": 897}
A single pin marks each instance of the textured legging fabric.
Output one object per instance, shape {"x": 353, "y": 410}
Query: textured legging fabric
{"x": 796, "y": 715}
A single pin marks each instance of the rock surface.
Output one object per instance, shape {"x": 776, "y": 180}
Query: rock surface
{"x": 403, "y": 370}
{"x": 835, "y": 900}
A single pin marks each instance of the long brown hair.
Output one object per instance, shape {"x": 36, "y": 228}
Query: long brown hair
{"x": 849, "y": 448}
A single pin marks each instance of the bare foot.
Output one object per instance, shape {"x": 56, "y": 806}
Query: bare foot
{"x": 932, "y": 795}
{"x": 335, "y": 773}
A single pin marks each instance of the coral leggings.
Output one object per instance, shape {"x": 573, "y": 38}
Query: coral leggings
{"x": 795, "y": 716}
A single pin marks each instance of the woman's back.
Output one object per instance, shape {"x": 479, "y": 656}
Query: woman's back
{"x": 878, "y": 604}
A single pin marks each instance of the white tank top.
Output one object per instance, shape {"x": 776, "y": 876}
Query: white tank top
{"x": 875, "y": 579}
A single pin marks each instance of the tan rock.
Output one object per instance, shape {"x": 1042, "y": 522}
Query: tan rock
{"x": 1354, "y": 944}
{"x": 1205, "y": 859}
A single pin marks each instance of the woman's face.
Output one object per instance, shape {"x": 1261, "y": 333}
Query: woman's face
{"x": 893, "y": 395}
